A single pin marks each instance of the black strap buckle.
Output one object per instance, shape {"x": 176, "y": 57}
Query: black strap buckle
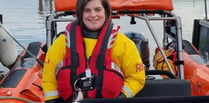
{"x": 85, "y": 83}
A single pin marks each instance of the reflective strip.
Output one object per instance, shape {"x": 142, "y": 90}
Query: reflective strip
{"x": 68, "y": 38}
{"x": 111, "y": 39}
{"x": 52, "y": 93}
{"x": 115, "y": 67}
{"x": 58, "y": 67}
{"x": 128, "y": 91}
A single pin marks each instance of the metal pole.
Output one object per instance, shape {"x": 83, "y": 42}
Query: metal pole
{"x": 206, "y": 13}
{"x": 48, "y": 31}
{"x": 180, "y": 48}
{"x": 157, "y": 42}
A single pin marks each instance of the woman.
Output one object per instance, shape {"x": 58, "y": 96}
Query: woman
{"x": 93, "y": 58}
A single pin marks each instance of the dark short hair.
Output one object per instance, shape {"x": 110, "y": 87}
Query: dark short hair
{"x": 80, "y": 4}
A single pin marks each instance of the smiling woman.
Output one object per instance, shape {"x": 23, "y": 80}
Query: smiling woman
{"x": 99, "y": 59}
{"x": 93, "y": 15}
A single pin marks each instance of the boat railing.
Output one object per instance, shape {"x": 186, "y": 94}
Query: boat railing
{"x": 51, "y": 30}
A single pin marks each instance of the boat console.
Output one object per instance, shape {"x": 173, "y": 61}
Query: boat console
{"x": 200, "y": 37}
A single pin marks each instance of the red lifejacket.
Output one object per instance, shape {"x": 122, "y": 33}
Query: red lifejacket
{"x": 108, "y": 76}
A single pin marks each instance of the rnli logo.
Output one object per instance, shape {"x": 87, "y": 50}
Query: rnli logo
{"x": 139, "y": 67}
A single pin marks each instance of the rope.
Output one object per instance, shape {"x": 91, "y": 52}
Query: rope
{"x": 18, "y": 98}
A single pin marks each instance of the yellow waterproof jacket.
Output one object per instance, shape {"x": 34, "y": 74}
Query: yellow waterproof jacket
{"x": 124, "y": 53}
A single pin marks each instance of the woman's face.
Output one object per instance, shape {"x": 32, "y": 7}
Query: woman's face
{"x": 94, "y": 15}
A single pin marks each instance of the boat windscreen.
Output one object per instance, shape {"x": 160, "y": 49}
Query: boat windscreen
{"x": 120, "y": 5}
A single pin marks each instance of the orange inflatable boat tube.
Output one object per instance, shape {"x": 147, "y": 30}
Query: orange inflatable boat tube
{"x": 69, "y": 5}
{"x": 22, "y": 84}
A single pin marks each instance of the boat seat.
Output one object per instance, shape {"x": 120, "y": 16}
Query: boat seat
{"x": 34, "y": 48}
{"x": 26, "y": 62}
{"x": 165, "y": 87}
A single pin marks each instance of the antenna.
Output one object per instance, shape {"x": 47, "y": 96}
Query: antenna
{"x": 1, "y": 19}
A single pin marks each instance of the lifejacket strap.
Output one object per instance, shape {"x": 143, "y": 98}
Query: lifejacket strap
{"x": 100, "y": 60}
{"x": 74, "y": 54}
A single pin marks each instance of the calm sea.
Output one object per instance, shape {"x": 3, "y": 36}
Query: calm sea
{"x": 25, "y": 19}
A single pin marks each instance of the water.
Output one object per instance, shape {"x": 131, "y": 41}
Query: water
{"x": 189, "y": 10}
{"x": 25, "y": 19}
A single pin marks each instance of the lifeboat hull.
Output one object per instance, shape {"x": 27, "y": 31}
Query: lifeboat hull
{"x": 196, "y": 71}
{"x": 23, "y": 82}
